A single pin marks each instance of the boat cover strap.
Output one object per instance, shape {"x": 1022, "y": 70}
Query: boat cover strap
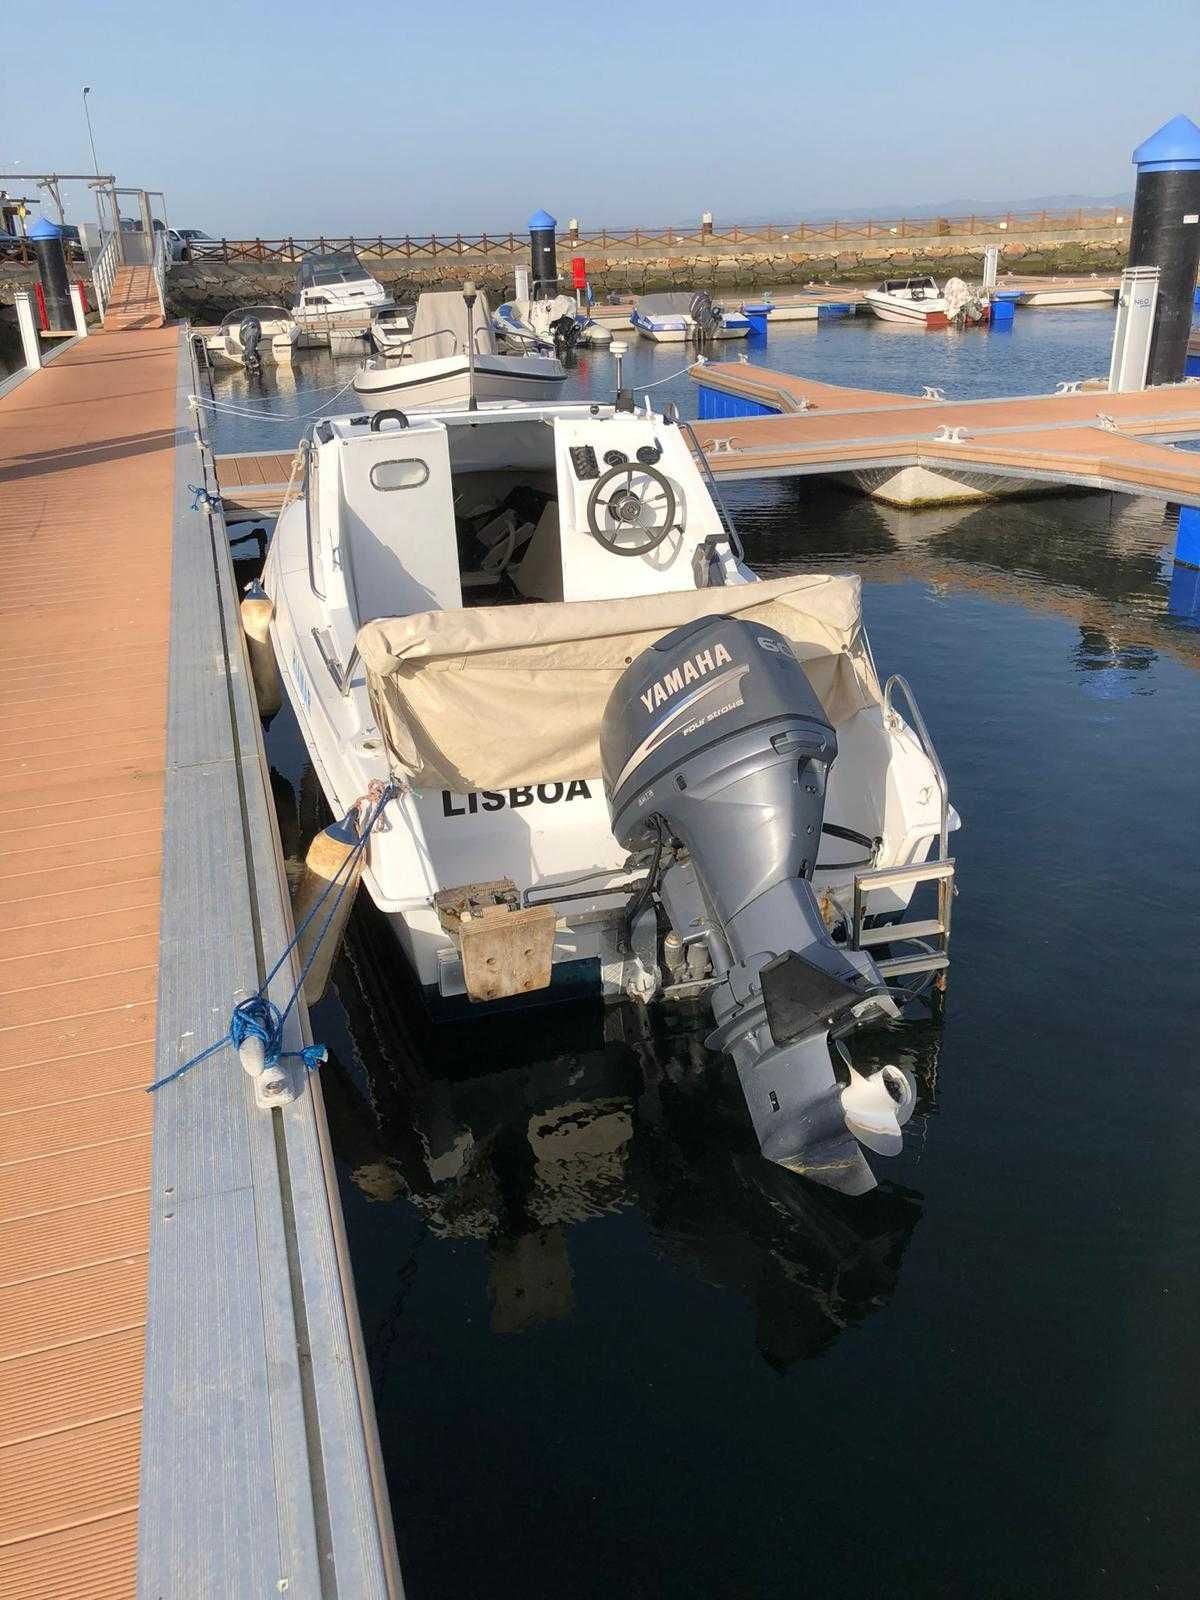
{"x": 493, "y": 697}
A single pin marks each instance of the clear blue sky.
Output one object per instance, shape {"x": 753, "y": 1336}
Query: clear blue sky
{"x": 310, "y": 117}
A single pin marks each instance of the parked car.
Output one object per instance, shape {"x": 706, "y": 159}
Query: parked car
{"x": 189, "y": 242}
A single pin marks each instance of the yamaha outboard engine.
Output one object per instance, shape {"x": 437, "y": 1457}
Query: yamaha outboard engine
{"x": 716, "y": 753}
{"x": 706, "y": 316}
{"x": 565, "y": 333}
{"x": 250, "y": 336}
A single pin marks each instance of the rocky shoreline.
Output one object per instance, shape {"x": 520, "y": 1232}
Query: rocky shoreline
{"x": 206, "y": 290}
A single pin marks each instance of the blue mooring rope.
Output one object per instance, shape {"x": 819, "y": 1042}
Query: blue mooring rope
{"x": 198, "y": 493}
{"x": 258, "y": 1017}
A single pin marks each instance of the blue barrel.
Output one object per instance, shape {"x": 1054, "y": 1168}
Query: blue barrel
{"x": 1003, "y": 310}
{"x": 757, "y": 316}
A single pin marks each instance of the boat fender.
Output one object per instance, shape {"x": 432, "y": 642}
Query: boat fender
{"x": 380, "y": 416}
{"x": 257, "y": 611}
{"x": 320, "y": 939}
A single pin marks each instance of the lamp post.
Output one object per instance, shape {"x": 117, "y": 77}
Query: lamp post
{"x": 91, "y": 136}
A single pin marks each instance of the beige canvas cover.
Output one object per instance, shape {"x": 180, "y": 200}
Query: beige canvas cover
{"x": 440, "y": 326}
{"x": 496, "y": 696}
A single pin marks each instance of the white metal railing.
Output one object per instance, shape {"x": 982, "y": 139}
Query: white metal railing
{"x": 104, "y": 269}
{"x": 162, "y": 255}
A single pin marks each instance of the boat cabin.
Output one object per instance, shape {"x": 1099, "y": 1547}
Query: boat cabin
{"x": 337, "y": 281}
{"x": 506, "y": 505}
{"x": 911, "y": 288}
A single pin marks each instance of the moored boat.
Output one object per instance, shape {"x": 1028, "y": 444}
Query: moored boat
{"x": 918, "y": 301}
{"x": 252, "y": 334}
{"x": 336, "y": 295}
{"x": 451, "y": 358}
{"x": 609, "y": 757}
{"x": 679, "y": 316}
{"x": 391, "y": 330}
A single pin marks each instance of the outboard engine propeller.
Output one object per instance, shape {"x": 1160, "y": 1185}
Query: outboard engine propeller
{"x": 250, "y": 337}
{"x": 716, "y": 753}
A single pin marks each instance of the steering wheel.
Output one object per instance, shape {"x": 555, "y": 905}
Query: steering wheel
{"x": 631, "y": 498}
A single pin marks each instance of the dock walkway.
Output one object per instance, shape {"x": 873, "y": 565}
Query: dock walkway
{"x": 1088, "y": 438}
{"x": 183, "y": 1402}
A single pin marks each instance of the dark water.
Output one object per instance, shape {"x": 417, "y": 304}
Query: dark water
{"x": 616, "y": 1353}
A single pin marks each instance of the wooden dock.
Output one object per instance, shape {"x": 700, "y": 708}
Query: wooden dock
{"x": 904, "y": 449}
{"x": 950, "y": 449}
{"x": 253, "y": 484}
{"x": 183, "y": 1402}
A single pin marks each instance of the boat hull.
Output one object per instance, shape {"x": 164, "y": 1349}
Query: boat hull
{"x": 917, "y": 313}
{"x": 448, "y": 382}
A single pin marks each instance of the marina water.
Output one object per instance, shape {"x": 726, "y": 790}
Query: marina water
{"x": 613, "y": 1350}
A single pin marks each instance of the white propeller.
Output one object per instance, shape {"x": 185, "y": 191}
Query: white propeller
{"x": 877, "y": 1108}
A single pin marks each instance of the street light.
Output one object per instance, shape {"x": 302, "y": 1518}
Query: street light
{"x": 91, "y": 136}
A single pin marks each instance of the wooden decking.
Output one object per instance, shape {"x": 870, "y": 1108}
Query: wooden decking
{"x": 133, "y": 302}
{"x": 86, "y": 487}
{"x": 1090, "y": 438}
{"x": 253, "y": 484}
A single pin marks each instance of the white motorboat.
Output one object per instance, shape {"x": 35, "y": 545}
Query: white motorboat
{"x": 252, "y": 334}
{"x": 603, "y": 754}
{"x": 679, "y": 316}
{"x": 391, "y": 331}
{"x": 336, "y": 296}
{"x": 451, "y": 357}
{"x": 918, "y": 301}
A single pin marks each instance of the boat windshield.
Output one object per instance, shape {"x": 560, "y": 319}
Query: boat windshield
{"x": 339, "y": 267}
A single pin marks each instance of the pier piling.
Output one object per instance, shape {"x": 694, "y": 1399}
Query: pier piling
{"x": 1165, "y": 233}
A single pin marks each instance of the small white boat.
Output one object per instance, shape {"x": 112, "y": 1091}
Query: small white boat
{"x": 914, "y": 300}
{"x": 450, "y": 358}
{"x": 605, "y": 756}
{"x": 679, "y": 316}
{"x": 391, "y": 331}
{"x": 252, "y": 334}
{"x": 539, "y": 325}
{"x": 336, "y": 296}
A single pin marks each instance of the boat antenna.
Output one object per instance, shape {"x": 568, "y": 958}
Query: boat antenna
{"x": 469, "y": 292}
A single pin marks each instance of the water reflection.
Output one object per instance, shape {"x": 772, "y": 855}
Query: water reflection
{"x": 1100, "y": 561}
{"x": 613, "y": 1110}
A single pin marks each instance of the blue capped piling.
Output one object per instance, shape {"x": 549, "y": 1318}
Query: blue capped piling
{"x": 1165, "y": 233}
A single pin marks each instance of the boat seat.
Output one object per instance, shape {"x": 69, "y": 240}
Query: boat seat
{"x": 539, "y": 576}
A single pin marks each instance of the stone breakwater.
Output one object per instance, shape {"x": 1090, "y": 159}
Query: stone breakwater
{"x": 207, "y": 290}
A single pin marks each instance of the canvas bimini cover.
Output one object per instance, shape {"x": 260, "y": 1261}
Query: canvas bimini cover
{"x": 440, "y": 326}
{"x": 667, "y": 303}
{"x": 497, "y": 696}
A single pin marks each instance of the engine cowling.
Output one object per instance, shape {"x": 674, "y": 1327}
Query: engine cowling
{"x": 716, "y": 749}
